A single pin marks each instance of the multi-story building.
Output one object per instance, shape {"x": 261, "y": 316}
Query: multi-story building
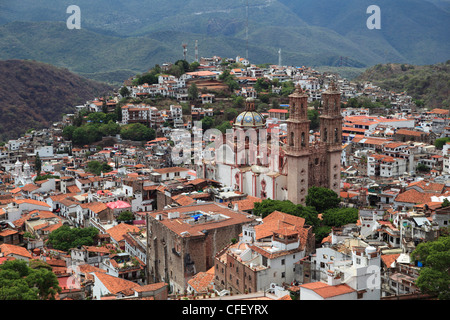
{"x": 184, "y": 240}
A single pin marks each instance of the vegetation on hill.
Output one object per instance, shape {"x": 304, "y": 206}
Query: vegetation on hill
{"x": 34, "y": 94}
{"x": 429, "y": 85}
{"x": 118, "y": 38}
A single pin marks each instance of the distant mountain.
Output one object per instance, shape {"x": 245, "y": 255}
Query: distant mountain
{"x": 430, "y": 83}
{"x": 34, "y": 95}
{"x": 134, "y": 35}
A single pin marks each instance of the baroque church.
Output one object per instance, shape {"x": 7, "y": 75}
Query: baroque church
{"x": 262, "y": 163}
{"x": 22, "y": 174}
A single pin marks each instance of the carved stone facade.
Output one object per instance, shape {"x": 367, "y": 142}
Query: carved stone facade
{"x": 317, "y": 162}
{"x": 285, "y": 172}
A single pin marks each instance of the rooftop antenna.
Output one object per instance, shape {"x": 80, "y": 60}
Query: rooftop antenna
{"x": 196, "y": 50}
{"x": 279, "y": 57}
{"x": 184, "y": 45}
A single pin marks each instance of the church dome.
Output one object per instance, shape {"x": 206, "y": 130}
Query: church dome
{"x": 250, "y": 118}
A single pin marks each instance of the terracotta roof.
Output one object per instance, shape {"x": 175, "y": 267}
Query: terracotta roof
{"x": 95, "y": 207}
{"x": 389, "y": 259}
{"x": 202, "y": 281}
{"x": 326, "y": 291}
{"x": 29, "y": 187}
{"x": 150, "y": 287}
{"x": 277, "y": 220}
{"x": 427, "y": 186}
{"x": 410, "y": 132}
{"x": 8, "y": 249}
{"x": 171, "y": 169}
{"x": 247, "y": 203}
{"x": 31, "y": 201}
{"x": 178, "y": 225}
{"x": 114, "y": 284}
{"x": 183, "y": 200}
{"x": 117, "y": 232}
{"x": 73, "y": 189}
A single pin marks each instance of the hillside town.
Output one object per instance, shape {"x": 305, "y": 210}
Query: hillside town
{"x": 193, "y": 229}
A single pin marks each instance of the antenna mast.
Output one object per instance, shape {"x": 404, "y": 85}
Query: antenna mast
{"x": 196, "y": 50}
{"x": 184, "y": 45}
{"x": 279, "y": 57}
{"x": 246, "y": 32}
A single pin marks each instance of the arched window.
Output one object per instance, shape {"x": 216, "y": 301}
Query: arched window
{"x": 336, "y": 135}
{"x": 291, "y": 141}
{"x": 303, "y": 139}
{"x": 325, "y": 135}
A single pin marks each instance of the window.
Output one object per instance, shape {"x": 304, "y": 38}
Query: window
{"x": 283, "y": 275}
{"x": 282, "y": 262}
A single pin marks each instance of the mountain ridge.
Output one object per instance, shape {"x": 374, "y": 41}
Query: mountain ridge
{"x": 315, "y": 33}
{"x": 35, "y": 94}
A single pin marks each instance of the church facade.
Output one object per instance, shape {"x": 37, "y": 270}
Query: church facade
{"x": 256, "y": 161}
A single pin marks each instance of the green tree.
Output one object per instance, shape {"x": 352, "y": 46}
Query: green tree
{"x": 124, "y": 91}
{"x": 68, "y": 132}
{"x": 193, "y": 92}
{"x": 137, "y": 132}
{"x": 20, "y": 282}
{"x": 149, "y": 78}
{"x": 207, "y": 123}
{"x": 97, "y": 167}
{"x": 434, "y": 276}
{"x": 337, "y": 217}
{"x": 322, "y": 199}
{"x": 313, "y": 116}
{"x": 125, "y": 216}
{"x": 231, "y": 113}
{"x": 38, "y": 164}
{"x": 439, "y": 143}
{"x": 109, "y": 129}
{"x": 66, "y": 238}
{"x": 224, "y": 126}
{"x": 262, "y": 84}
{"x": 422, "y": 168}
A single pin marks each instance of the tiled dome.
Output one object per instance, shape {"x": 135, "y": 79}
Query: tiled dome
{"x": 250, "y": 118}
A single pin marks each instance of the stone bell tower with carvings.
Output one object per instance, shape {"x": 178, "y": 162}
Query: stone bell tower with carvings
{"x": 297, "y": 149}
{"x": 331, "y": 134}
{"x": 315, "y": 163}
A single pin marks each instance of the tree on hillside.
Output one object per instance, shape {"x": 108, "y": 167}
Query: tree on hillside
{"x": 66, "y": 238}
{"x": 137, "y": 132}
{"x": 193, "y": 92}
{"x": 20, "y": 282}
{"x": 434, "y": 276}
{"x": 124, "y": 91}
{"x": 125, "y": 216}
{"x": 97, "y": 167}
{"x": 207, "y": 123}
{"x": 322, "y": 199}
{"x": 38, "y": 164}
{"x": 439, "y": 143}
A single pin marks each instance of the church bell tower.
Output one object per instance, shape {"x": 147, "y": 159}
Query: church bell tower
{"x": 297, "y": 149}
{"x": 331, "y": 134}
